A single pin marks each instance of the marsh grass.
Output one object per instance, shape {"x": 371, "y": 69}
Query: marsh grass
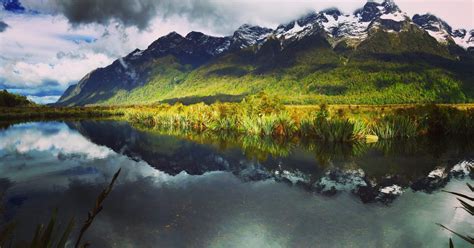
{"x": 262, "y": 115}
{"x": 265, "y": 115}
{"x": 53, "y": 113}
{"x": 396, "y": 126}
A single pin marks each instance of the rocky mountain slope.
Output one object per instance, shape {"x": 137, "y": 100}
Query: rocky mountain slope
{"x": 378, "y": 54}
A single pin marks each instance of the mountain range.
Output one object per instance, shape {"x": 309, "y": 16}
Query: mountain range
{"x": 378, "y": 54}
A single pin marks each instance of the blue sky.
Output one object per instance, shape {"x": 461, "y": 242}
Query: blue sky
{"x": 47, "y": 45}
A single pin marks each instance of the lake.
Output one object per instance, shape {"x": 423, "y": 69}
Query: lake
{"x": 190, "y": 190}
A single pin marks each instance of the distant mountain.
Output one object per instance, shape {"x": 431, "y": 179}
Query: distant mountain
{"x": 378, "y": 54}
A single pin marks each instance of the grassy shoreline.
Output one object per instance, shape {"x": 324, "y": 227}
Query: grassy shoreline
{"x": 47, "y": 113}
{"x": 265, "y": 116}
{"x": 332, "y": 123}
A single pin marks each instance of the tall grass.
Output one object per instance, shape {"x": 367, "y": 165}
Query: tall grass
{"x": 396, "y": 127}
{"x": 265, "y": 116}
{"x": 339, "y": 130}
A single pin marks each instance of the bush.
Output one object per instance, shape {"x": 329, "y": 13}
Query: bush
{"x": 396, "y": 127}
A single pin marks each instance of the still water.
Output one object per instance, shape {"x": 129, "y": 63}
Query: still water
{"x": 194, "y": 191}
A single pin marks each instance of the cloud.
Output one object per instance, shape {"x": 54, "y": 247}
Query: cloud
{"x": 225, "y": 16}
{"x": 42, "y": 51}
{"x": 3, "y": 26}
{"x": 220, "y": 16}
{"x": 63, "y": 71}
{"x": 44, "y": 99}
{"x": 137, "y": 13}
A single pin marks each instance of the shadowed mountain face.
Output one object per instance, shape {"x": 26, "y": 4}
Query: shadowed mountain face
{"x": 326, "y": 49}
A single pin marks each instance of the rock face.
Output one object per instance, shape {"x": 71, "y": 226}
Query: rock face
{"x": 343, "y": 32}
{"x": 247, "y": 35}
{"x": 373, "y": 10}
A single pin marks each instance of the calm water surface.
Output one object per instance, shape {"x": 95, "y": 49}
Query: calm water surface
{"x": 196, "y": 191}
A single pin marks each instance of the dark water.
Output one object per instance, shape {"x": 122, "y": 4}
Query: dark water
{"x": 201, "y": 191}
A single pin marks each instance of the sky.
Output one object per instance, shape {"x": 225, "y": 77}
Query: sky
{"x": 47, "y": 45}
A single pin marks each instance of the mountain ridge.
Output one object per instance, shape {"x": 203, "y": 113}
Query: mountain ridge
{"x": 257, "y": 54}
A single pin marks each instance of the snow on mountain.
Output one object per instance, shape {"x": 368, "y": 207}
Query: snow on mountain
{"x": 373, "y": 15}
{"x": 462, "y": 38}
{"x": 398, "y": 17}
{"x": 346, "y": 26}
{"x": 436, "y": 27}
{"x": 373, "y": 10}
{"x": 292, "y": 31}
{"x": 298, "y": 28}
{"x": 212, "y": 45}
{"x": 248, "y": 35}
{"x": 442, "y": 31}
{"x": 353, "y": 28}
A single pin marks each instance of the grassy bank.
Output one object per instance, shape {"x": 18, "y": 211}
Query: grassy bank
{"x": 265, "y": 116}
{"x": 48, "y": 113}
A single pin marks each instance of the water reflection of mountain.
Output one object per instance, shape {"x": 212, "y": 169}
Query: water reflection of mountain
{"x": 374, "y": 172}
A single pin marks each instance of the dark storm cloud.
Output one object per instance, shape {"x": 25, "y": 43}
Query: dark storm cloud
{"x": 3, "y": 26}
{"x": 137, "y": 13}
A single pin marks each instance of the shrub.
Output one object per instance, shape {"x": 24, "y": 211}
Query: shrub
{"x": 396, "y": 127}
{"x": 336, "y": 130}
{"x": 262, "y": 104}
{"x": 284, "y": 125}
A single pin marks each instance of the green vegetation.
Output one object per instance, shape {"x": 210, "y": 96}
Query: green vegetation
{"x": 356, "y": 82}
{"x": 45, "y": 112}
{"x": 12, "y": 100}
{"x": 265, "y": 116}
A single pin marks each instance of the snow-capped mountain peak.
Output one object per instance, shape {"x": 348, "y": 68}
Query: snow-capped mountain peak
{"x": 294, "y": 29}
{"x": 436, "y": 27}
{"x": 373, "y": 10}
{"x": 463, "y": 38}
{"x": 249, "y": 35}
{"x": 307, "y": 19}
{"x": 443, "y": 32}
{"x": 333, "y": 12}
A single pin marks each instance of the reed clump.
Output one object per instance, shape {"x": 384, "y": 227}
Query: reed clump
{"x": 263, "y": 115}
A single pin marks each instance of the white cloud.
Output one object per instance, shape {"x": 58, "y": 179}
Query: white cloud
{"x": 43, "y": 99}
{"x": 29, "y": 50}
{"x": 39, "y": 50}
{"x": 224, "y": 16}
{"x": 63, "y": 71}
